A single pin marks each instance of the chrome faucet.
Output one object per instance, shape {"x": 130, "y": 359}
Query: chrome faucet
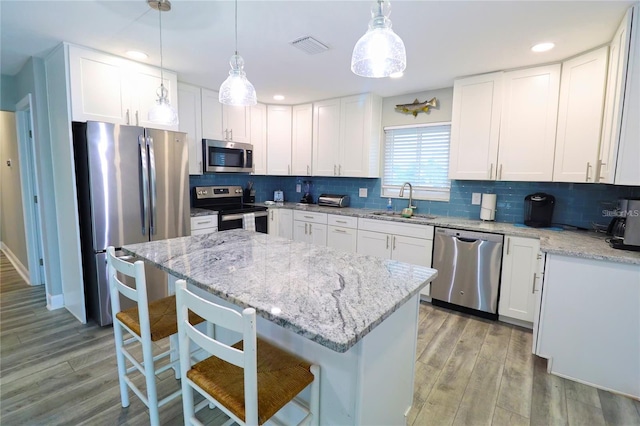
{"x": 401, "y": 195}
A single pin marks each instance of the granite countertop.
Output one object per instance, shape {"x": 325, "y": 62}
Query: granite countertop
{"x": 587, "y": 244}
{"x": 331, "y": 297}
{"x": 195, "y": 211}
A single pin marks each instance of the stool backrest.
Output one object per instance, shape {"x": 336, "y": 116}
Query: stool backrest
{"x": 244, "y": 323}
{"x": 138, "y": 294}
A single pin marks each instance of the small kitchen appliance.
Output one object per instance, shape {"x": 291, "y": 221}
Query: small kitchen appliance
{"x": 278, "y": 196}
{"x": 538, "y": 209}
{"x": 307, "y": 198}
{"x": 625, "y": 228}
{"x": 249, "y": 194}
{"x": 333, "y": 200}
{"x": 488, "y": 207}
{"x": 227, "y": 201}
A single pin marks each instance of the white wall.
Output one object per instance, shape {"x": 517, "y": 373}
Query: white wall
{"x": 12, "y": 232}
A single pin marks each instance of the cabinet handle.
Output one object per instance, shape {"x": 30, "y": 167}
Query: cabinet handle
{"x": 231, "y": 134}
{"x": 588, "y": 167}
{"x": 272, "y": 215}
{"x": 226, "y": 134}
{"x": 308, "y": 217}
{"x": 387, "y": 241}
{"x": 533, "y": 287}
{"x": 342, "y": 231}
{"x": 599, "y": 165}
{"x": 491, "y": 172}
{"x": 202, "y": 223}
{"x": 137, "y": 119}
{"x": 334, "y": 170}
{"x": 308, "y": 172}
{"x": 127, "y": 116}
{"x": 305, "y": 228}
{"x": 310, "y": 228}
{"x": 341, "y": 221}
{"x": 500, "y": 173}
{"x": 508, "y": 245}
{"x": 394, "y": 242}
{"x": 339, "y": 169}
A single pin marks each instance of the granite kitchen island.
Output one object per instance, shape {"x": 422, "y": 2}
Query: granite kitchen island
{"x": 356, "y": 316}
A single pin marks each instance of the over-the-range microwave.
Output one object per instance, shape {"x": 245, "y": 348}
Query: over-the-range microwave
{"x": 227, "y": 156}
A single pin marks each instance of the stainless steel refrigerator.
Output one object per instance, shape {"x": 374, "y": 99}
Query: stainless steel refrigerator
{"x": 133, "y": 186}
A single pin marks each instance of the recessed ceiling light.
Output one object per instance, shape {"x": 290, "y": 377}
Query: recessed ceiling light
{"x": 396, "y": 74}
{"x": 134, "y": 54}
{"x": 278, "y": 97}
{"x": 542, "y": 47}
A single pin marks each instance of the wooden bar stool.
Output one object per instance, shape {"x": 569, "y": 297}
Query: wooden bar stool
{"x": 146, "y": 323}
{"x": 249, "y": 381}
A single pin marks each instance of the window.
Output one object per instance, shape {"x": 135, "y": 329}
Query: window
{"x": 418, "y": 155}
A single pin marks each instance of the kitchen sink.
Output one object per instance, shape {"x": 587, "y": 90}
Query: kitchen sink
{"x": 399, "y": 214}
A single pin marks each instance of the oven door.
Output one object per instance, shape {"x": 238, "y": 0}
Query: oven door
{"x": 223, "y": 156}
{"x": 234, "y": 221}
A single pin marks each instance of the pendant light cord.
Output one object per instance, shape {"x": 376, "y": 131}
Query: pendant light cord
{"x": 236, "y": 27}
{"x": 161, "y": 61}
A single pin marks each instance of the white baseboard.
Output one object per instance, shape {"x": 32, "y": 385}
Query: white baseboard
{"x": 22, "y": 270}
{"x": 55, "y": 301}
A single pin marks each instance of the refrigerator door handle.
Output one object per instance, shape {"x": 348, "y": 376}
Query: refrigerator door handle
{"x": 144, "y": 181}
{"x": 154, "y": 191}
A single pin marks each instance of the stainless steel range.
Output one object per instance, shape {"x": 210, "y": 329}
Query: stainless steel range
{"x": 227, "y": 201}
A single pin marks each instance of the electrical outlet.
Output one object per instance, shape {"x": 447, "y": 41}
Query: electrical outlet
{"x": 476, "y": 198}
{"x": 362, "y": 192}
{"x": 298, "y": 187}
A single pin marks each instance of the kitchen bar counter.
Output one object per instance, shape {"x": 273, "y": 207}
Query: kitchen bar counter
{"x": 330, "y": 297}
{"x": 586, "y": 244}
{"x": 356, "y": 316}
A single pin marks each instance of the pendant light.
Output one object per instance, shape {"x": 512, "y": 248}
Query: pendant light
{"x": 380, "y": 52}
{"x": 162, "y": 112}
{"x": 236, "y": 89}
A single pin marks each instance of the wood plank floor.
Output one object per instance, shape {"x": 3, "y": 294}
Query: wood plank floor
{"x": 469, "y": 371}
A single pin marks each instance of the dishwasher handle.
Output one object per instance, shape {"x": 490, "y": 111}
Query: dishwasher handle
{"x": 467, "y": 240}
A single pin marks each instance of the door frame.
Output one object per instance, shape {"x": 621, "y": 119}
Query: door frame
{"x": 30, "y": 189}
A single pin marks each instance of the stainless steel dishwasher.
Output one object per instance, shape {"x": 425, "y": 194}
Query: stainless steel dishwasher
{"x": 468, "y": 265}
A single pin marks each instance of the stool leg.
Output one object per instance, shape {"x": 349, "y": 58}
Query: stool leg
{"x": 150, "y": 376}
{"x": 122, "y": 368}
{"x": 314, "y": 403}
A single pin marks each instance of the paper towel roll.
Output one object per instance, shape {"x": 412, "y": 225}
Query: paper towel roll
{"x": 488, "y": 207}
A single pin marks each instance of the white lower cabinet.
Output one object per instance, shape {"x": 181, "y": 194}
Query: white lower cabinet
{"x": 280, "y": 223}
{"x": 404, "y": 242}
{"x": 204, "y": 224}
{"x": 342, "y": 232}
{"x": 520, "y": 276}
{"x": 310, "y": 227}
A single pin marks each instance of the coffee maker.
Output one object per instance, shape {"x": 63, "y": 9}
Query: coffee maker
{"x": 625, "y": 227}
{"x": 306, "y": 198}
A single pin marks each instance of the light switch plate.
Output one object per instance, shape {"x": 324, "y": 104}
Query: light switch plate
{"x": 475, "y": 198}
{"x": 298, "y": 187}
{"x": 362, "y": 192}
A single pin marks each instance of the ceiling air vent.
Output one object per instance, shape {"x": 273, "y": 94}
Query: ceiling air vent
{"x": 309, "y": 45}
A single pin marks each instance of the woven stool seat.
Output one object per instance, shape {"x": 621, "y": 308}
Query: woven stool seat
{"x": 162, "y": 318}
{"x": 281, "y": 376}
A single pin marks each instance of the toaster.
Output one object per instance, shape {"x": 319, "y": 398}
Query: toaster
{"x": 538, "y": 209}
{"x": 333, "y": 200}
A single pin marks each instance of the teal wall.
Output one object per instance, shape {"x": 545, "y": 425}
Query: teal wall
{"x": 7, "y": 93}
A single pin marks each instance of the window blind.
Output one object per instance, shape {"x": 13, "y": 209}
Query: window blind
{"x": 418, "y": 155}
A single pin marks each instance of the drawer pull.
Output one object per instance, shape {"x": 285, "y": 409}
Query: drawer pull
{"x": 341, "y": 221}
{"x": 342, "y": 231}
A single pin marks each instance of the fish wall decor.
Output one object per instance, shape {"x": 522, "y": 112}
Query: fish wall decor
{"x": 417, "y": 106}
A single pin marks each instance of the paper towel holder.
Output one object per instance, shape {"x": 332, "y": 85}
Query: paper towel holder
{"x": 488, "y": 207}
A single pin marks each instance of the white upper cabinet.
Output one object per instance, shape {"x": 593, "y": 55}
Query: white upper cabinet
{"x": 212, "y": 116}
{"x": 616, "y": 80}
{"x": 224, "y": 122}
{"x": 190, "y": 113}
{"x": 301, "y": 146}
{"x": 627, "y": 165}
{"x": 326, "y": 137}
{"x": 279, "y": 140}
{"x": 528, "y": 124}
{"x": 259, "y": 138}
{"x": 582, "y": 90}
{"x": 475, "y": 127}
{"x": 347, "y": 134}
{"x": 112, "y": 89}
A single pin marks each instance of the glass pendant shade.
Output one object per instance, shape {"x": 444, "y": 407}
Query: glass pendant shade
{"x": 380, "y": 52}
{"x": 236, "y": 89}
{"x": 162, "y": 112}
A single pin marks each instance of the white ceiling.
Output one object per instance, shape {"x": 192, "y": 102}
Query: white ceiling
{"x": 444, "y": 39}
